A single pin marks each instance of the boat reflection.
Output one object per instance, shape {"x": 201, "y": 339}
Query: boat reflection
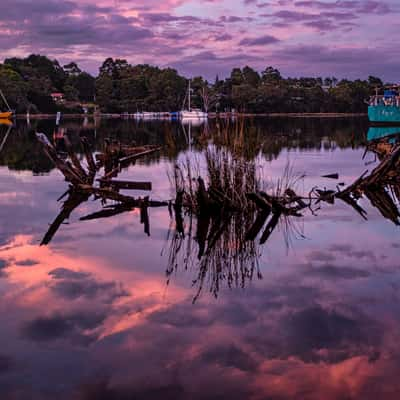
{"x": 5, "y": 121}
{"x": 378, "y": 133}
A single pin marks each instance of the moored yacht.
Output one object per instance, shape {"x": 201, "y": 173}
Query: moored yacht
{"x": 192, "y": 113}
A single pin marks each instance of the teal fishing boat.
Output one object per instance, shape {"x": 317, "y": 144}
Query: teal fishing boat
{"x": 385, "y": 109}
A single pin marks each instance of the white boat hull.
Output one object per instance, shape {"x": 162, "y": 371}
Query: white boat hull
{"x": 194, "y": 114}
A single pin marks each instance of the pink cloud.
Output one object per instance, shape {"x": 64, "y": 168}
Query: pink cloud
{"x": 173, "y": 31}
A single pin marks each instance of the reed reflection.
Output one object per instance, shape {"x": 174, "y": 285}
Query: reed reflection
{"x": 232, "y": 211}
{"x": 223, "y": 217}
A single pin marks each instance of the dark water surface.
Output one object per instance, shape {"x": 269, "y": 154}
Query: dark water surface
{"x": 93, "y": 315}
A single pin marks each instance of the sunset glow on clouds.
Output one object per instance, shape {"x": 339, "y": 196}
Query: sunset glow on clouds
{"x": 346, "y": 38}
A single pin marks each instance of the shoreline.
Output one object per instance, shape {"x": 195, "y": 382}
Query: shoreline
{"x": 211, "y": 116}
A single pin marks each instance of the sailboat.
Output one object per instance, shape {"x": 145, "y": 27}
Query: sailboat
{"x": 192, "y": 113}
{"x": 5, "y": 114}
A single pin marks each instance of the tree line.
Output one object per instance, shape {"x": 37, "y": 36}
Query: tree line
{"x": 121, "y": 87}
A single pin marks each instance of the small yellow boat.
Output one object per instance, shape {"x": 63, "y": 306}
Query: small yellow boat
{"x": 6, "y": 115}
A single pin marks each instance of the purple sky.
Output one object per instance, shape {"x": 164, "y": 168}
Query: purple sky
{"x": 345, "y": 38}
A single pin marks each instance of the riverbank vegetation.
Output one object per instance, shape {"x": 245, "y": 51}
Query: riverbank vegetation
{"x": 40, "y": 85}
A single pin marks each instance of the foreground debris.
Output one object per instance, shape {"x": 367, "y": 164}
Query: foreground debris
{"x": 82, "y": 181}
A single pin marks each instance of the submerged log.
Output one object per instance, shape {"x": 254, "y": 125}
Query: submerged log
{"x": 136, "y": 156}
{"x": 380, "y": 199}
{"x": 275, "y": 205}
{"x": 272, "y": 224}
{"x": 69, "y": 173}
{"x": 331, "y": 176}
{"x": 126, "y": 160}
{"x": 118, "y": 151}
{"x": 89, "y": 156}
{"x": 107, "y": 194}
{"x": 353, "y": 187}
{"x": 381, "y": 171}
{"x": 131, "y": 150}
{"x": 115, "y": 196}
{"x": 74, "y": 200}
{"x": 144, "y": 215}
{"x": 257, "y": 225}
{"x": 260, "y": 201}
{"x": 353, "y": 203}
{"x": 108, "y": 212}
{"x": 327, "y": 196}
{"x": 74, "y": 159}
{"x": 127, "y": 185}
{"x": 294, "y": 198}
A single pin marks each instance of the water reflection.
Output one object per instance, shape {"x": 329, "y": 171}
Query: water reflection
{"x": 23, "y": 151}
{"x": 90, "y": 317}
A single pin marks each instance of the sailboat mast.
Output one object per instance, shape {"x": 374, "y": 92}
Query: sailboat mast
{"x": 5, "y": 100}
{"x": 190, "y": 95}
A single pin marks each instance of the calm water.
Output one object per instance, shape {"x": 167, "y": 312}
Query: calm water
{"x": 94, "y": 315}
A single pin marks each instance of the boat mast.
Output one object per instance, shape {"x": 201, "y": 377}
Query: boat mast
{"x": 190, "y": 95}
{"x": 5, "y": 100}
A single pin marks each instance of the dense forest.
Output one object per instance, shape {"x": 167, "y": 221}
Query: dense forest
{"x": 121, "y": 87}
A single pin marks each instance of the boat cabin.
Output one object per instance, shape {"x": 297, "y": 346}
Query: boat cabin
{"x": 390, "y": 97}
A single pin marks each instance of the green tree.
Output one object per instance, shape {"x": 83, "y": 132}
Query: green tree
{"x": 251, "y": 77}
{"x": 271, "y": 76}
{"x": 237, "y": 77}
{"x": 15, "y": 89}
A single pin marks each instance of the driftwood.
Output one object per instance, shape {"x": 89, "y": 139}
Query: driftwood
{"x": 118, "y": 151}
{"x": 108, "y": 212}
{"x": 89, "y": 156}
{"x": 115, "y": 196}
{"x": 136, "y": 156}
{"x": 272, "y": 224}
{"x": 82, "y": 182}
{"x": 258, "y": 224}
{"x": 65, "y": 168}
{"x": 331, "y": 176}
{"x": 144, "y": 215}
{"x": 115, "y": 163}
{"x": 127, "y": 185}
{"x": 380, "y": 199}
{"x": 74, "y": 159}
{"x": 74, "y": 200}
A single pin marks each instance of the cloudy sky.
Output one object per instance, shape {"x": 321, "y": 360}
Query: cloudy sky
{"x": 345, "y": 38}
